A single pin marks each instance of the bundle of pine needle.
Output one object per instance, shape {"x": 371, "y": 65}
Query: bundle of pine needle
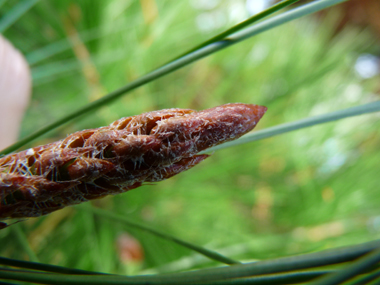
{"x": 93, "y": 163}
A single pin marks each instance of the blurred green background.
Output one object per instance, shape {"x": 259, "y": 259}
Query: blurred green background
{"x": 308, "y": 190}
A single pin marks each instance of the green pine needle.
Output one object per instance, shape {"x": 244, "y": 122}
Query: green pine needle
{"x": 15, "y": 13}
{"x": 179, "y": 63}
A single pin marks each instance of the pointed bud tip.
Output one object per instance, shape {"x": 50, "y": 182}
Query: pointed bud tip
{"x": 250, "y": 111}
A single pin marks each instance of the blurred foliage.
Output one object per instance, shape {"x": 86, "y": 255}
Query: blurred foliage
{"x": 309, "y": 190}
